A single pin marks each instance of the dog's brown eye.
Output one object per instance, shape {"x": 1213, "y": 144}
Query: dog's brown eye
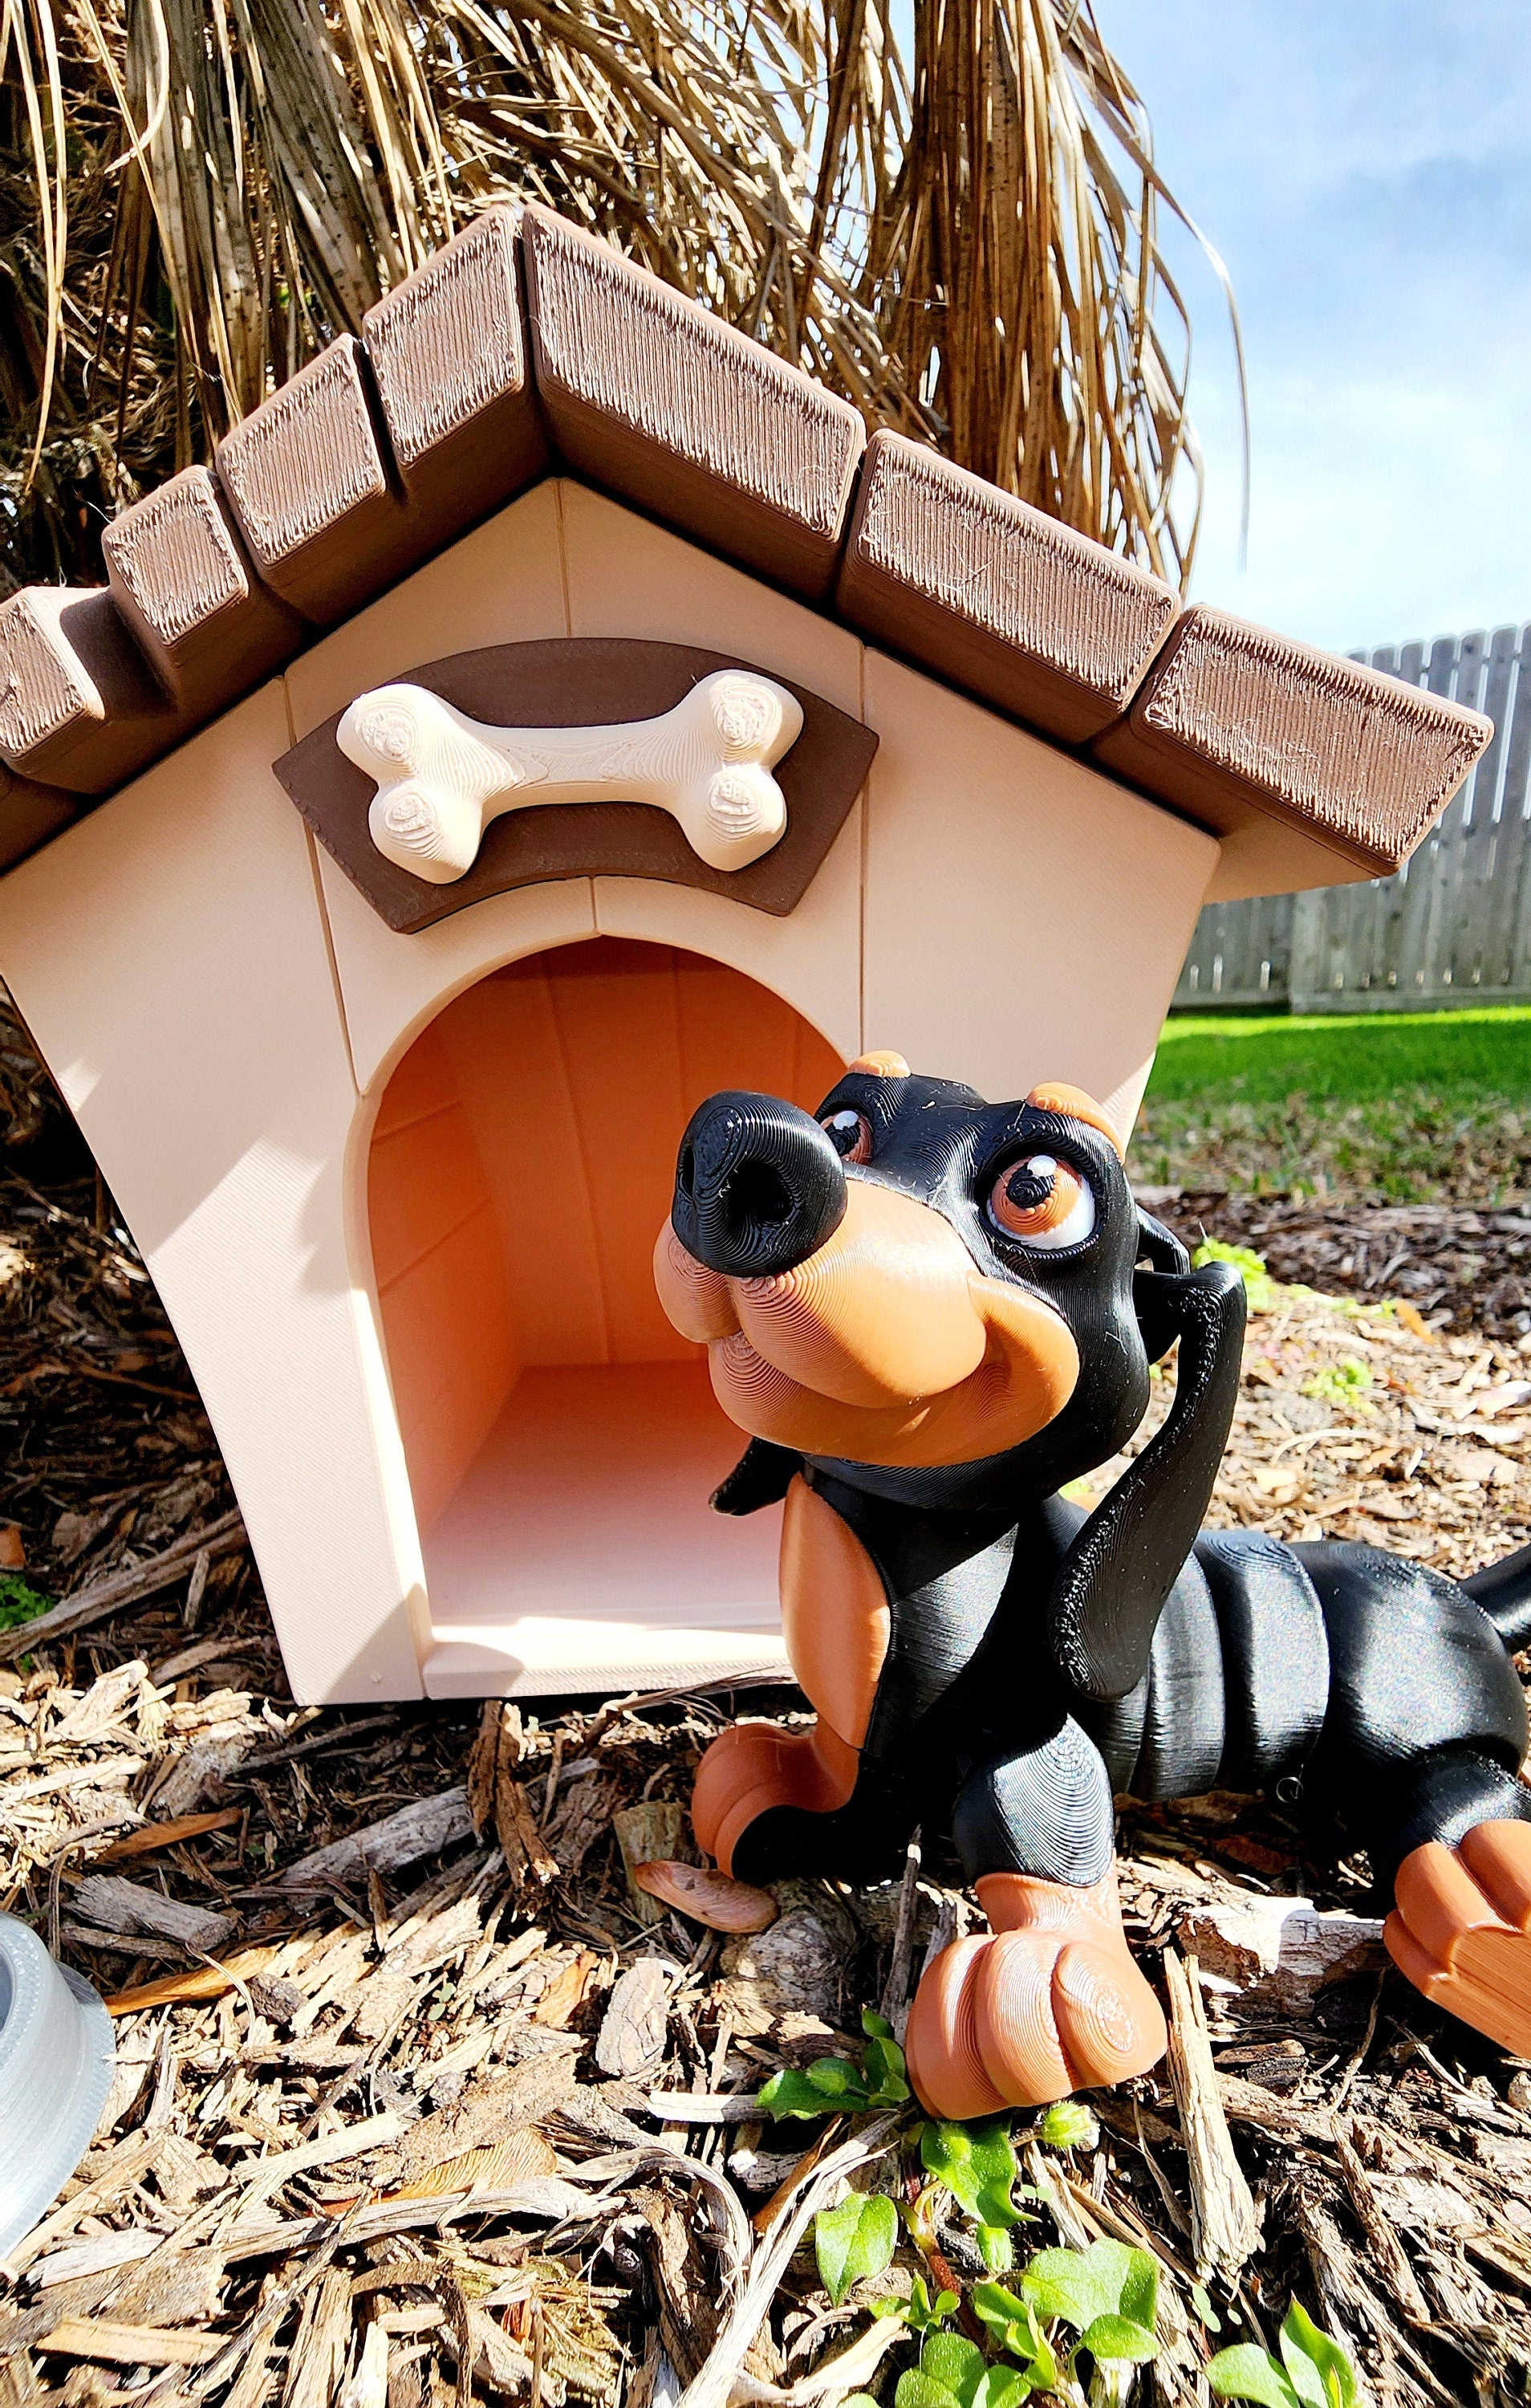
{"x": 1043, "y": 1202}
{"x": 850, "y": 1134}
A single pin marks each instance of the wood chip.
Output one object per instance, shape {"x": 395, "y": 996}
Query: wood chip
{"x": 131, "y": 2344}
{"x": 150, "y": 1837}
{"x": 181, "y": 1989}
{"x": 565, "y": 1993}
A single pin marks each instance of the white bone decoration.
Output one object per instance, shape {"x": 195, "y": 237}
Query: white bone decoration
{"x": 442, "y": 777}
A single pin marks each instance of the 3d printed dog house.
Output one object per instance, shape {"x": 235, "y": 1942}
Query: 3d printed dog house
{"x": 395, "y": 1149}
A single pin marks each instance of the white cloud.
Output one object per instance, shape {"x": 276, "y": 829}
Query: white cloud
{"x": 1365, "y": 171}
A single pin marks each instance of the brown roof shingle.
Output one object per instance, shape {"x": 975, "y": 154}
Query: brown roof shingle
{"x": 996, "y": 597}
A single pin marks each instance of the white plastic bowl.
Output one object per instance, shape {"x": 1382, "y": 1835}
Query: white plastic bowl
{"x": 57, "y": 2058}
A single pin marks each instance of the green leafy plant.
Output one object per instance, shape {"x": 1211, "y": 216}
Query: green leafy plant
{"x": 977, "y": 2164}
{"x": 1108, "y": 2296}
{"x": 920, "y": 2312}
{"x": 831, "y": 2086}
{"x": 853, "y": 2240}
{"x": 1259, "y": 1287}
{"x": 20, "y": 1601}
{"x": 1342, "y": 1383}
{"x": 1312, "y": 2371}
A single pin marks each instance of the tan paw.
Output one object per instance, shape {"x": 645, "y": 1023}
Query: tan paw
{"x": 1026, "y": 2014}
{"x": 1460, "y": 1930}
{"x": 753, "y": 1767}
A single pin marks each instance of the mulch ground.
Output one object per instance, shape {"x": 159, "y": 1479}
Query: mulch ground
{"x": 418, "y": 2095}
{"x": 1461, "y": 1269}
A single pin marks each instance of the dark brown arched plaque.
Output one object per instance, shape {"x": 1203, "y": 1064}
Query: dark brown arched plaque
{"x": 583, "y": 681}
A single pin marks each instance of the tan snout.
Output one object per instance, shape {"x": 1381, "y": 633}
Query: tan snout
{"x": 887, "y": 1346}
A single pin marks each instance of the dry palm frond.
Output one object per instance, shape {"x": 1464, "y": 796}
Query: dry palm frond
{"x": 962, "y": 243}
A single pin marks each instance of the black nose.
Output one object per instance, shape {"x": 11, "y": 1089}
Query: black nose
{"x": 758, "y": 1186}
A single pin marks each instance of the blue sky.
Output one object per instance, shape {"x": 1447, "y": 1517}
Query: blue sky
{"x": 1364, "y": 169}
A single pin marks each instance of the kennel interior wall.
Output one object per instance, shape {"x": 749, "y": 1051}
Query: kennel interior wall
{"x": 399, "y": 1192}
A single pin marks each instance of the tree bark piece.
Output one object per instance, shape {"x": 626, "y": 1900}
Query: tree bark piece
{"x": 1281, "y": 1950}
{"x": 124, "y": 1907}
{"x": 496, "y": 1798}
{"x": 1225, "y": 2229}
{"x": 632, "y": 2036}
{"x": 650, "y": 1833}
{"x": 422, "y": 1830}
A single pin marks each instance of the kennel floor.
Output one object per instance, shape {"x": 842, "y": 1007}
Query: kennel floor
{"x": 579, "y": 1554}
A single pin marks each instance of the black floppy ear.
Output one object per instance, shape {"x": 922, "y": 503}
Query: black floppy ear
{"x": 1161, "y": 1250}
{"x": 1110, "y": 1590}
{"x": 762, "y": 1476}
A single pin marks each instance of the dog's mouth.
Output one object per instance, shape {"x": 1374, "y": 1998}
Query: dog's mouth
{"x": 887, "y": 1345}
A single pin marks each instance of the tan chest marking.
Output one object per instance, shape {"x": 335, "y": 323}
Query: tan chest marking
{"x": 834, "y": 1613}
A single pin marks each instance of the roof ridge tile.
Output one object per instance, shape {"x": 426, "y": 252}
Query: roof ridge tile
{"x": 655, "y": 398}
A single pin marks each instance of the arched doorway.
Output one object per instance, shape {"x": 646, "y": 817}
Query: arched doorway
{"x": 562, "y": 1441}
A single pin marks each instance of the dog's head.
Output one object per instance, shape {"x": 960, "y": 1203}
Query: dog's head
{"x": 944, "y": 1298}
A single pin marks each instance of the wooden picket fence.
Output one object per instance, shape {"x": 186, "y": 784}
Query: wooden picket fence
{"x": 1453, "y": 927}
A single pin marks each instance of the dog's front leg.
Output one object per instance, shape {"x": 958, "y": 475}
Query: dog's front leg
{"x": 762, "y": 1796}
{"x": 1049, "y": 2001}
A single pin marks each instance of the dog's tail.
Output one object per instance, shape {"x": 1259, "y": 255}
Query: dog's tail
{"x": 1503, "y": 1591}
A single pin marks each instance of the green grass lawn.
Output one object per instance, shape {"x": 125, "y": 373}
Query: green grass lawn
{"x": 1416, "y": 1107}
{"x": 1350, "y": 1058}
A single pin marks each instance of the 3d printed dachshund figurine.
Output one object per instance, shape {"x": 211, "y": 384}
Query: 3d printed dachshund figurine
{"x": 931, "y": 1314}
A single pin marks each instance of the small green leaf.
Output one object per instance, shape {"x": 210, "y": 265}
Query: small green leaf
{"x": 1079, "y": 2285}
{"x": 1246, "y": 2372}
{"x": 791, "y": 2093}
{"x": 876, "y": 2027}
{"x": 832, "y": 2075}
{"x": 827, "y": 2086}
{"x": 920, "y": 2312}
{"x": 917, "y": 2390}
{"x": 995, "y": 2247}
{"x": 1044, "y": 2370}
{"x": 1111, "y": 2337}
{"x": 1303, "y": 2347}
{"x": 884, "y": 2072}
{"x": 1001, "y": 2387}
{"x": 860, "y": 2400}
{"x": 978, "y": 2166}
{"x": 997, "y": 2307}
{"x": 1140, "y": 2296}
{"x": 1069, "y": 2125}
{"x": 854, "y": 2240}
{"x": 1203, "y": 2308}
{"x": 955, "y": 2362}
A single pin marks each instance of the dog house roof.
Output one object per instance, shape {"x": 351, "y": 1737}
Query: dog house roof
{"x": 526, "y": 343}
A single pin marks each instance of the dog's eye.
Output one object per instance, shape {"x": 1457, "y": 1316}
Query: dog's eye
{"x": 851, "y": 1135}
{"x": 1043, "y": 1202}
